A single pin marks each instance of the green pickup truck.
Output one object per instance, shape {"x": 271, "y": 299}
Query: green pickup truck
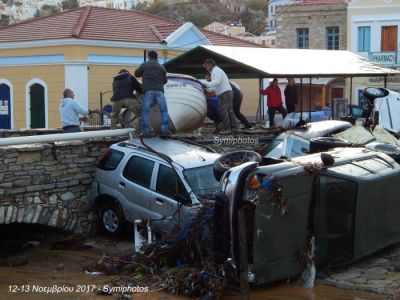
{"x": 347, "y": 200}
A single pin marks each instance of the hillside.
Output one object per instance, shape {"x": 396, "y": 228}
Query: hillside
{"x": 202, "y": 13}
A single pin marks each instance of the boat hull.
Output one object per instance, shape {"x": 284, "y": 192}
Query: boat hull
{"x": 186, "y": 102}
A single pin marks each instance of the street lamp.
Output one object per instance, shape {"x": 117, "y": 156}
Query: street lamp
{"x": 101, "y": 106}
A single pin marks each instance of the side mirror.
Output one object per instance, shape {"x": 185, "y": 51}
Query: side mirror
{"x": 183, "y": 199}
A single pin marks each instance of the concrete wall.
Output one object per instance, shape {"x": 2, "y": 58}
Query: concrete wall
{"x": 314, "y": 17}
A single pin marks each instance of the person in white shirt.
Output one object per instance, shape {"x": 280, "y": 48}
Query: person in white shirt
{"x": 220, "y": 85}
{"x": 70, "y": 110}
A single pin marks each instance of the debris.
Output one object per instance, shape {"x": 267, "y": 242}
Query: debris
{"x": 94, "y": 273}
{"x": 306, "y": 257}
{"x": 182, "y": 262}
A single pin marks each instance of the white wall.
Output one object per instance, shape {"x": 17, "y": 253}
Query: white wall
{"x": 375, "y": 22}
{"x": 76, "y": 78}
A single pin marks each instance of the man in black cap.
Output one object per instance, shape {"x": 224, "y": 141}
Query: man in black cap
{"x": 154, "y": 77}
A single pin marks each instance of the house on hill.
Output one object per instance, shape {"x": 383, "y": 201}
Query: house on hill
{"x": 82, "y": 49}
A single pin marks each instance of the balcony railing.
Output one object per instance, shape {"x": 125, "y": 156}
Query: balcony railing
{"x": 385, "y": 58}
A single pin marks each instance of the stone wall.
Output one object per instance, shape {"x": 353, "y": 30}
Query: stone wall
{"x": 314, "y": 17}
{"x": 49, "y": 183}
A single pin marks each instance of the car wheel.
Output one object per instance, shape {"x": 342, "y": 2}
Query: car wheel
{"x": 232, "y": 159}
{"x": 320, "y": 144}
{"x": 111, "y": 219}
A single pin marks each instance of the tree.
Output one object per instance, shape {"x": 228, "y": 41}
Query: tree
{"x": 68, "y": 4}
{"x": 4, "y": 20}
{"x": 48, "y": 10}
{"x": 257, "y": 4}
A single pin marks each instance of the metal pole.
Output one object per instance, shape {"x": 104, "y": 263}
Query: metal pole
{"x": 351, "y": 90}
{"x": 301, "y": 98}
{"x": 144, "y": 55}
{"x": 309, "y": 100}
{"x": 261, "y": 98}
{"x": 385, "y": 81}
{"x": 101, "y": 107}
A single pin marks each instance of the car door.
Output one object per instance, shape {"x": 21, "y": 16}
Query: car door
{"x": 162, "y": 203}
{"x": 135, "y": 186}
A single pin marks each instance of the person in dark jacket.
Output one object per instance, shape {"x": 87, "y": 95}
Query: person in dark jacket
{"x": 154, "y": 77}
{"x": 291, "y": 96}
{"x": 237, "y": 103}
{"x": 124, "y": 85}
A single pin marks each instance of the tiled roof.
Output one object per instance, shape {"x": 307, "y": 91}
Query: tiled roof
{"x": 317, "y": 2}
{"x": 97, "y": 23}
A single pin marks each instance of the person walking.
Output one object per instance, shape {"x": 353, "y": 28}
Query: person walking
{"x": 291, "y": 99}
{"x": 154, "y": 77}
{"x": 274, "y": 101}
{"x": 124, "y": 85}
{"x": 220, "y": 85}
{"x": 237, "y": 103}
{"x": 70, "y": 110}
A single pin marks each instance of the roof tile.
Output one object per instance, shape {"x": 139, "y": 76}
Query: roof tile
{"x": 96, "y": 23}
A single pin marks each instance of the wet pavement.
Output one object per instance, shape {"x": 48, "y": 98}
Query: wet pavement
{"x": 42, "y": 269}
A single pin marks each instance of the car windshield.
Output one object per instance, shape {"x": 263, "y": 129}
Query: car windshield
{"x": 274, "y": 149}
{"x": 291, "y": 146}
{"x": 202, "y": 180}
{"x": 296, "y": 146}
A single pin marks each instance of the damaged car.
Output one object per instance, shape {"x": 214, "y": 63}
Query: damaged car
{"x": 266, "y": 215}
{"x": 163, "y": 180}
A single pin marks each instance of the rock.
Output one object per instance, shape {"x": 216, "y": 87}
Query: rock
{"x": 37, "y": 200}
{"x": 380, "y": 282}
{"x": 60, "y": 267}
{"x": 344, "y": 276}
{"x": 28, "y": 157}
{"x": 376, "y": 273}
{"x": 358, "y": 280}
{"x": 67, "y": 198}
{"x": 53, "y": 199}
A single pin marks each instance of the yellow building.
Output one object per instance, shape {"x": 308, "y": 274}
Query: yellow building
{"x": 82, "y": 49}
{"x": 374, "y": 32}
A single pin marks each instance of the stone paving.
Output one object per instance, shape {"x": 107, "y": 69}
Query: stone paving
{"x": 379, "y": 273}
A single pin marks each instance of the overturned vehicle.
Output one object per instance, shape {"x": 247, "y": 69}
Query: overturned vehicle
{"x": 346, "y": 199}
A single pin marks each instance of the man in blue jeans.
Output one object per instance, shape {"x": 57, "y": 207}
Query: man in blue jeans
{"x": 154, "y": 76}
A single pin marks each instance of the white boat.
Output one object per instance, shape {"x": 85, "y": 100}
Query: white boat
{"x": 186, "y": 102}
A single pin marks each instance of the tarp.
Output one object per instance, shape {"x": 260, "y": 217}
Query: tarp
{"x": 248, "y": 62}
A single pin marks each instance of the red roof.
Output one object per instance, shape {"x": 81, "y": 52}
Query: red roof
{"x": 97, "y": 23}
{"x": 317, "y": 2}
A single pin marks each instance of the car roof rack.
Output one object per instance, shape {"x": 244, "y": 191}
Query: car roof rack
{"x": 135, "y": 146}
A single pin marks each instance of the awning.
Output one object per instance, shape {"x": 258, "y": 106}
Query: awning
{"x": 247, "y": 62}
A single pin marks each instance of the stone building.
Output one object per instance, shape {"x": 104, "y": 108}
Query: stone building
{"x": 312, "y": 24}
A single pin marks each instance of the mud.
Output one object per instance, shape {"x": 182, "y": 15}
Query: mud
{"x": 64, "y": 270}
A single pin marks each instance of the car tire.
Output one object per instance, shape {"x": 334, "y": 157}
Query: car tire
{"x": 112, "y": 220}
{"x": 320, "y": 144}
{"x": 234, "y": 158}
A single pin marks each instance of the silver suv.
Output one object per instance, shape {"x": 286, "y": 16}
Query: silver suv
{"x": 164, "y": 180}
